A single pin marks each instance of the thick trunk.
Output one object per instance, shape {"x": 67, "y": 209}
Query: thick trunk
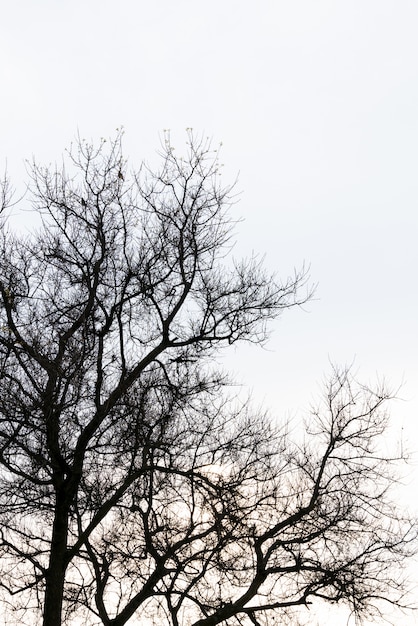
{"x": 55, "y": 578}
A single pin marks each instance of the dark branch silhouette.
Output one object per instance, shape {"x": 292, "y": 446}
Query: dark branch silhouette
{"x": 132, "y": 486}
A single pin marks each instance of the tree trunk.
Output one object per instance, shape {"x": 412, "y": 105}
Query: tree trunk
{"x": 55, "y": 577}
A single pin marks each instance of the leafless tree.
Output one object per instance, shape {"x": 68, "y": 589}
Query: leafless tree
{"x": 132, "y": 486}
{"x": 111, "y": 316}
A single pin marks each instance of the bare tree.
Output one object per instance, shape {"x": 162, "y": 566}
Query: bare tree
{"x": 132, "y": 486}
{"x": 111, "y": 316}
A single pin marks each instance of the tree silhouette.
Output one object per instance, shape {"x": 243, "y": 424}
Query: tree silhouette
{"x": 132, "y": 485}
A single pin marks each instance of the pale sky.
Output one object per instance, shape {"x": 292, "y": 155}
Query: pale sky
{"x": 316, "y": 103}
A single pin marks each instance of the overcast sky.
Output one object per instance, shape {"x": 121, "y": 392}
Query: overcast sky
{"x": 316, "y": 103}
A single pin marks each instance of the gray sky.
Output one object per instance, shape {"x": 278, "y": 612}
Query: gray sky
{"x": 316, "y": 103}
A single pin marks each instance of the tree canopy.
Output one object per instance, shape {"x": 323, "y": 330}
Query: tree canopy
{"x": 133, "y": 484}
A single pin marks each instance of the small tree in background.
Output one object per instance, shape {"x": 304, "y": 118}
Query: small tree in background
{"x": 132, "y": 487}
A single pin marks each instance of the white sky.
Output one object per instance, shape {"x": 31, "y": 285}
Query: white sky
{"x": 316, "y": 103}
